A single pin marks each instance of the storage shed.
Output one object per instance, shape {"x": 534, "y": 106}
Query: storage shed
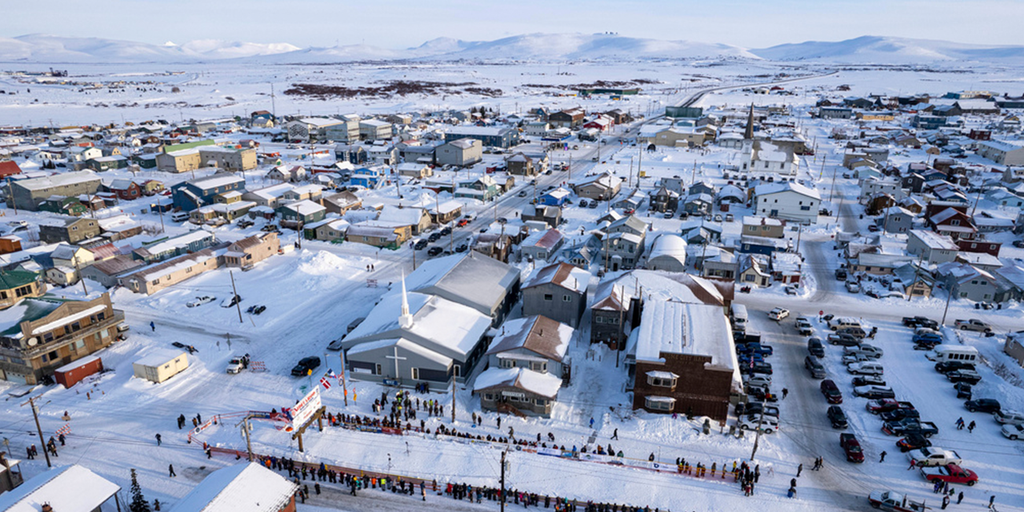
{"x": 73, "y": 372}
{"x": 161, "y": 365}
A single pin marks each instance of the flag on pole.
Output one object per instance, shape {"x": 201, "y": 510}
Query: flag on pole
{"x": 325, "y": 382}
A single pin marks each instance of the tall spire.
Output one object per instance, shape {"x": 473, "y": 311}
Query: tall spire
{"x": 749, "y": 133}
{"x": 405, "y": 321}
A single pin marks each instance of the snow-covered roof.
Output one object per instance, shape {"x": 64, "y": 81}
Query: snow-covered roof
{"x": 67, "y": 489}
{"x": 668, "y": 245}
{"x": 789, "y": 186}
{"x": 395, "y": 216}
{"x": 541, "y": 384}
{"x": 471, "y": 279}
{"x": 160, "y": 357}
{"x": 403, "y": 344}
{"x": 538, "y": 334}
{"x": 561, "y": 274}
{"x": 58, "y": 180}
{"x": 247, "y": 486}
{"x": 692, "y": 329}
{"x": 305, "y": 207}
{"x": 217, "y": 180}
{"x": 934, "y": 240}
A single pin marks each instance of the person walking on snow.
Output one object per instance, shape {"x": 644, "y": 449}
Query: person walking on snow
{"x": 882, "y": 459}
{"x": 591, "y": 422}
{"x": 960, "y": 423}
{"x": 970, "y": 428}
{"x": 152, "y": 326}
{"x": 170, "y": 469}
{"x": 615, "y": 435}
{"x": 799, "y": 469}
{"x": 158, "y": 439}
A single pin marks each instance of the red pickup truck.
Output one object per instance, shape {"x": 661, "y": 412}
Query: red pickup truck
{"x": 951, "y": 473}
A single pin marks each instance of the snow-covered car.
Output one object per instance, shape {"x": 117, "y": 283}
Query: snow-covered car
{"x": 1009, "y": 417}
{"x": 803, "y": 326}
{"x": 892, "y": 500}
{"x": 874, "y": 392}
{"x": 230, "y": 301}
{"x": 757, "y": 380}
{"x": 871, "y": 351}
{"x": 868, "y": 380}
{"x": 200, "y": 301}
{"x": 778, "y": 314}
{"x": 855, "y": 357}
{"x": 1013, "y": 432}
{"x": 769, "y": 424}
{"x": 235, "y": 365}
{"x": 933, "y": 457}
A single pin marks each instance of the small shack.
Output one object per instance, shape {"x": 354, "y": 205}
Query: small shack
{"x": 160, "y": 365}
{"x": 73, "y": 372}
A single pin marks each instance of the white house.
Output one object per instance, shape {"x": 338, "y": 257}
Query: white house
{"x": 788, "y": 201}
{"x": 765, "y": 157}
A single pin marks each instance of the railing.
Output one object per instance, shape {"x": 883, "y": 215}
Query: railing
{"x": 66, "y": 338}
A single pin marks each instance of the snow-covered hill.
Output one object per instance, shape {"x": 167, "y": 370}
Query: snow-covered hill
{"x": 40, "y": 48}
{"x": 890, "y": 50}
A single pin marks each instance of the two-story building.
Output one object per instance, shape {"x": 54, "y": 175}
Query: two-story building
{"x": 68, "y": 230}
{"x": 462, "y": 152}
{"x": 787, "y": 201}
{"x": 558, "y": 291}
{"x": 42, "y": 335}
{"x": 29, "y": 194}
{"x": 193, "y": 194}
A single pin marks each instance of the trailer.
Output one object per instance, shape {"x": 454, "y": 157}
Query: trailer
{"x": 73, "y": 372}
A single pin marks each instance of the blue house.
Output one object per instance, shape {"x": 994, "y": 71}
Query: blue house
{"x": 556, "y": 197}
{"x": 493, "y": 136}
{"x": 928, "y": 122}
{"x": 366, "y": 177}
{"x": 192, "y": 194}
{"x": 762, "y": 245}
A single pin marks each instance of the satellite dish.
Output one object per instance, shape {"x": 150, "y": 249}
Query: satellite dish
{"x": 32, "y": 341}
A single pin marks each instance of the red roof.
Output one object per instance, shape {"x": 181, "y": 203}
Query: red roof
{"x": 9, "y": 169}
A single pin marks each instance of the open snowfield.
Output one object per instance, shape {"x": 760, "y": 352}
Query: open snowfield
{"x": 314, "y": 292}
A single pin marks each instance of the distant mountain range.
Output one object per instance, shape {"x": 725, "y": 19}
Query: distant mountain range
{"x": 38, "y": 48}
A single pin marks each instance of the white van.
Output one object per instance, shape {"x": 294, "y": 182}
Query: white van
{"x": 739, "y": 317}
{"x": 943, "y": 353}
{"x": 179, "y": 216}
{"x": 843, "y": 322}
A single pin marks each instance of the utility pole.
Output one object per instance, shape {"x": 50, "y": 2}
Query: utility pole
{"x": 10, "y": 194}
{"x": 245, "y": 431}
{"x": 234, "y": 290}
{"x": 757, "y": 437}
{"x": 35, "y": 414}
{"x": 502, "y": 501}
{"x": 453, "y": 397}
{"x": 629, "y": 184}
{"x": 344, "y": 385}
{"x": 949, "y": 296}
{"x": 800, "y": 230}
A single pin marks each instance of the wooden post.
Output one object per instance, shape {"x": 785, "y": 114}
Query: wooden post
{"x": 35, "y": 414}
{"x": 234, "y": 290}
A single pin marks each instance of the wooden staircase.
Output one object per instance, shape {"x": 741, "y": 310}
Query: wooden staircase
{"x": 507, "y": 408}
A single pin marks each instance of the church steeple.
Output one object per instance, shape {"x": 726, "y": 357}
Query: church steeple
{"x": 405, "y": 320}
{"x": 749, "y": 133}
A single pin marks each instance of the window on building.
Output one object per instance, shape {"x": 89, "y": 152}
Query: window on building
{"x": 539, "y": 366}
{"x": 540, "y": 401}
{"x": 663, "y": 381}
{"x": 415, "y": 373}
{"x": 377, "y": 370}
{"x": 48, "y": 337}
{"x": 548, "y": 296}
{"x": 659, "y": 403}
{"x": 566, "y": 298}
{"x": 598, "y": 319}
{"x": 507, "y": 363}
{"x": 457, "y": 370}
{"x": 805, "y": 208}
{"x": 488, "y": 396}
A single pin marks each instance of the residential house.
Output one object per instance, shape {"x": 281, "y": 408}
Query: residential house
{"x": 271, "y": 197}
{"x": 1002, "y": 152}
{"x": 969, "y": 282}
{"x": 482, "y": 188}
{"x": 520, "y": 164}
{"x": 49, "y": 491}
{"x": 414, "y": 170}
{"x": 602, "y": 186}
{"x": 752, "y": 270}
{"x": 310, "y": 128}
{"x": 445, "y": 212}
{"x": 556, "y": 197}
{"x": 200, "y": 192}
{"x": 109, "y": 271}
{"x": 462, "y": 152}
{"x": 328, "y": 230}
{"x": 896, "y": 219}
{"x": 491, "y": 136}
{"x": 301, "y": 212}
{"x": 247, "y": 252}
{"x": 559, "y": 292}
{"x": 342, "y": 202}
{"x": 287, "y": 173}
{"x": 931, "y": 246}
{"x": 125, "y": 189}
{"x": 542, "y": 245}
{"x": 718, "y": 263}
{"x": 788, "y": 201}
{"x": 68, "y": 230}
{"x": 157, "y": 276}
{"x": 370, "y": 178}
{"x": 228, "y": 158}
{"x": 417, "y": 219}
{"x": 766, "y": 227}
{"x": 550, "y": 215}
{"x": 879, "y": 264}
{"x": 458, "y": 278}
{"x": 9, "y": 244}
{"x": 527, "y": 365}
{"x": 952, "y": 222}
{"x": 45, "y": 334}
{"x": 668, "y": 254}
{"x": 680, "y": 136}
{"x": 28, "y": 194}
{"x": 378, "y": 236}
{"x": 609, "y": 315}
{"x": 382, "y": 153}
{"x": 664, "y": 200}
{"x": 765, "y": 157}
{"x": 374, "y": 129}
{"x": 979, "y": 245}
{"x": 681, "y": 359}
{"x": 569, "y": 118}
{"x": 162, "y": 249}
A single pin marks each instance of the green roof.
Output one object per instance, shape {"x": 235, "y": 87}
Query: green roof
{"x": 188, "y": 145}
{"x": 11, "y": 279}
{"x": 27, "y": 310}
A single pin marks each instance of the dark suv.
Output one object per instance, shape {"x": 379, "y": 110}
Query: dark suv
{"x": 989, "y": 405}
{"x": 952, "y": 366}
{"x": 306, "y": 365}
{"x": 837, "y": 417}
{"x": 831, "y": 392}
{"x": 815, "y": 347}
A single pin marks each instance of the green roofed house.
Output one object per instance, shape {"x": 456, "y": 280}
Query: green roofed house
{"x": 18, "y": 284}
{"x": 38, "y": 335}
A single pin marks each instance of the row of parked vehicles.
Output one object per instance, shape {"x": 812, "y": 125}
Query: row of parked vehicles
{"x": 751, "y": 353}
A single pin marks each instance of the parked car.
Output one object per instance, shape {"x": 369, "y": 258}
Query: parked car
{"x": 874, "y": 392}
{"x": 748, "y": 408}
{"x": 894, "y": 501}
{"x": 963, "y": 390}
{"x": 757, "y": 367}
{"x": 836, "y": 417}
{"x": 1008, "y": 417}
{"x": 852, "y": 287}
{"x": 583, "y": 203}
{"x": 200, "y": 301}
{"x": 778, "y": 314}
{"x": 434, "y": 251}
{"x": 989, "y": 405}
{"x": 924, "y": 457}
{"x": 461, "y": 248}
{"x": 804, "y": 327}
{"x": 306, "y": 365}
{"x": 920, "y": 321}
{"x": 856, "y": 332}
{"x": 420, "y": 245}
{"x": 972, "y": 324}
{"x": 886, "y": 405}
{"x": 245, "y": 223}
{"x": 969, "y": 376}
{"x": 815, "y": 347}
{"x": 910, "y": 426}
{"x": 855, "y": 357}
{"x": 945, "y": 367}
{"x": 235, "y": 365}
{"x": 870, "y": 351}
{"x": 230, "y": 301}
{"x": 831, "y": 391}
{"x": 951, "y": 473}
{"x": 434, "y": 237}
{"x": 900, "y": 414}
{"x": 851, "y": 446}
{"x": 1013, "y": 432}
{"x": 843, "y": 339}
{"x": 815, "y": 367}
{"x": 757, "y": 381}
{"x": 868, "y": 380}
{"x": 841, "y": 274}
{"x": 866, "y": 368}
{"x": 769, "y": 424}
{"x": 913, "y": 442}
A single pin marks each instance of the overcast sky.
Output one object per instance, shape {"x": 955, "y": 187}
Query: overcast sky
{"x": 405, "y": 23}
